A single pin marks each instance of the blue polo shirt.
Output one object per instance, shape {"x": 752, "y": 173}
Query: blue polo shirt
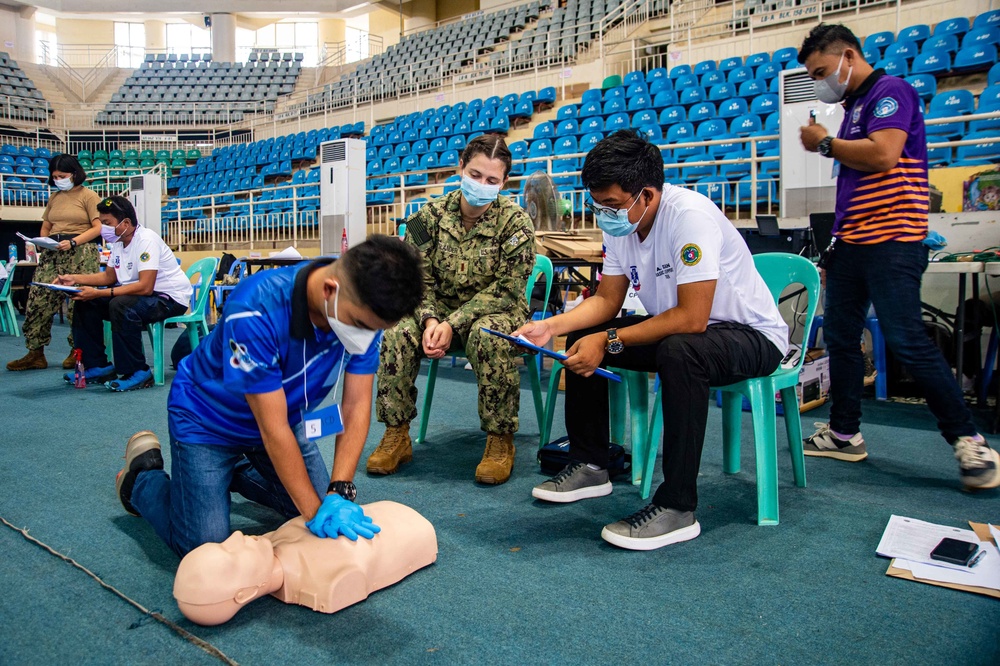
{"x": 264, "y": 342}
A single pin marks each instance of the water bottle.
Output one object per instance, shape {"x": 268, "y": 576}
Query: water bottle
{"x": 80, "y": 375}
{"x": 12, "y": 254}
{"x": 343, "y": 242}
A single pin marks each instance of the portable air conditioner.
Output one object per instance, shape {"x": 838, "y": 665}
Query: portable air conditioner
{"x": 145, "y": 192}
{"x": 341, "y": 194}
{"x": 807, "y": 181}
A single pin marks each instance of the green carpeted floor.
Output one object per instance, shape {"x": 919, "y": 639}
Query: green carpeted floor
{"x": 516, "y": 580}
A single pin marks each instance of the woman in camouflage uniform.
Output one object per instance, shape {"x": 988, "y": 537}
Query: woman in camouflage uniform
{"x": 478, "y": 252}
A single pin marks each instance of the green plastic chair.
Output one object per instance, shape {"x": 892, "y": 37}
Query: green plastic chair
{"x": 543, "y": 266}
{"x": 612, "y": 81}
{"x": 8, "y": 315}
{"x": 779, "y": 271}
{"x": 84, "y": 155}
{"x": 195, "y": 321}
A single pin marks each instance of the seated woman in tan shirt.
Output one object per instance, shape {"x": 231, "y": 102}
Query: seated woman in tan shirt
{"x": 70, "y": 218}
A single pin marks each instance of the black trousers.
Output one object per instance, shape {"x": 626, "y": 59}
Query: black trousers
{"x": 129, "y": 316}
{"x": 687, "y": 364}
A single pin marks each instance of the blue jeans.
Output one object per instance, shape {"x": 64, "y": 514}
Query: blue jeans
{"x": 886, "y": 275}
{"x": 190, "y": 506}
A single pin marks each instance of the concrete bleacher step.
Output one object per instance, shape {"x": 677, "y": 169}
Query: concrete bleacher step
{"x": 102, "y": 95}
{"x": 52, "y": 90}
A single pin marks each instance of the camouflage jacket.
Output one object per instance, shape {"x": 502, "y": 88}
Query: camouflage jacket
{"x": 473, "y": 273}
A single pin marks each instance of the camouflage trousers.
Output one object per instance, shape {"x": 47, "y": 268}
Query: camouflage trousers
{"x": 492, "y": 360}
{"x": 44, "y": 304}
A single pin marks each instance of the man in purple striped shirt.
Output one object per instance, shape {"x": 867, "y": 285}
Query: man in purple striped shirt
{"x": 877, "y": 256}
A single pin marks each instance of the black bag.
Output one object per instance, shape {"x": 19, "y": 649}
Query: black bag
{"x": 182, "y": 348}
{"x": 555, "y": 303}
{"x": 225, "y": 265}
{"x": 554, "y": 456}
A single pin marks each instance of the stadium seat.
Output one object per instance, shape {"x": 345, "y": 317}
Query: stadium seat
{"x": 934, "y": 63}
{"x": 924, "y": 84}
{"x": 915, "y": 33}
{"x": 979, "y": 153}
{"x": 975, "y": 58}
{"x": 945, "y": 105}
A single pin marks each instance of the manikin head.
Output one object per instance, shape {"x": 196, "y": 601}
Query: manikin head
{"x": 216, "y": 580}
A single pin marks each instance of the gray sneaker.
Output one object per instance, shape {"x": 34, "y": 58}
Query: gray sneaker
{"x": 652, "y": 527}
{"x": 576, "y": 482}
{"x": 824, "y": 444}
{"x": 978, "y": 464}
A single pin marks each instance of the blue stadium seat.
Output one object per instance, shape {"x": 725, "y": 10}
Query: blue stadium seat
{"x": 672, "y": 115}
{"x": 945, "y": 105}
{"x": 738, "y": 75}
{"x": 680, "y": 70}
{"x": 768, "y": 71}
{"x": 953, "y": 26}
{"x": 934, "y": 63}
{"x": 588, "y": 109}
{"x": 544, "y": 131}
{"x": 656, "y": 73}
{"x": 664, "y": 98}
{"x": 633, "y": 77}
{"x": 692, "y": 173}
{"x": 653, "y": 132}
{"x": 732, "y": 108}
{"x": 565, "y": 145}
{"x": 711, "y": 78}
{"x": 915, "y": 33}
{"x": 685, "y": 81}
{"x": 893, "y": 66}
{"x": 659, "y": 85}
{"x": 979, "y": 153}
{"x": 639, "y": 102}
{"x": 611, "y": 93}
{"x": 947, "y": 43}
{"x": 638, "y": 88}
{"x": 757, "y": 59}
{"x": 644, "y": 117}
{"x": 879, "y": 41}
{"x": 924, "y": 84}
{"x": 588, "y": 141}
{"x": 975, "y": 58}
{"x": 752, "y": 88}
{"x": 721, "y": 91}
{"x": 994, "y": 75}
{"x": 616, "y": 122}
{"x": 989, "y": 101}
{"x": 592, "y": 124}
{"x": 727, "y": 64}
{"x": 568, "y": 126}
{"x": 785, "y": 55}
{"x": 987, "y": 19}
{"x": 715, "y": 189}
{"x": 701, "y": 111}
{"x": 903, "y": 49}
{"x": 764, "y": 105}
{"x": 745, "y": 125}
{"x": 704, "y": 66}
{"x": 567, "y": 111}
{"x": 711, "y": 129}
{"x": 691, "y": 96}
{"x": 591, "y": 95}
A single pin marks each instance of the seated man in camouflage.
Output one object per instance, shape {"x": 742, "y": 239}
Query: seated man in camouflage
{"x": 478, "y": 252}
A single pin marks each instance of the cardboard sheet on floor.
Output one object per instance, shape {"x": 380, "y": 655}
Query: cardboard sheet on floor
{"x": 983, "y": 532}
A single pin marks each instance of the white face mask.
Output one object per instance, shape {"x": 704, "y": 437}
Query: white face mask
{"x": 830, "y": 89}
{"x": 355, "y": 340}
{"x": 63, "y": 184}
{"x": 108, "y": 233}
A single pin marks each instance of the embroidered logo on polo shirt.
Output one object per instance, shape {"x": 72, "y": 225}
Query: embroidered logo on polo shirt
{"x": 886, "y": 107}
{"x": 144, "y": 257}
{"x": 690, "y": 254}
{"x": 241, "y": 359}
{"x": 856, "y": 116}
{"x": 634, "y": 277}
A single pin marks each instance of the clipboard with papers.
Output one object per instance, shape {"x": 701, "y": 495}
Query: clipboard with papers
{"x": 40, "y": 241}
{"x": 57, "y": 287}
{"x": 521, "y": 342}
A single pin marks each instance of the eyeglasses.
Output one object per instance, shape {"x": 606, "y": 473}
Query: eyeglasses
{"x": 598, "y": 209}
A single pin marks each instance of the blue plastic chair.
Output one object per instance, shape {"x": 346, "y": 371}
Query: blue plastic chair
{"x": 779, "y": 271}
{"x": 543, "y": 267}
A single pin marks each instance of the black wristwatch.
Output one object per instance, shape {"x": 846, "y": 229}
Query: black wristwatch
{"x": 72, "y": 244}
{"x": 345, "y": 489}
{"x": 825, "y": 147}
{"x": 614, "y": 346}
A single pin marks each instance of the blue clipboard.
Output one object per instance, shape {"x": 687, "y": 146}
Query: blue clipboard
{"x": 607, "y": 374}
{"x": 57, "y": 287}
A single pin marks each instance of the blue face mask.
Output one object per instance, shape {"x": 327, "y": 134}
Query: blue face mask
{"x": 618, "y": 224}
{"x": 478, "y": 194}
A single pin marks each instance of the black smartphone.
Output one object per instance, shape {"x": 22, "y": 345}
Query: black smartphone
{"x": 954, "y": 551}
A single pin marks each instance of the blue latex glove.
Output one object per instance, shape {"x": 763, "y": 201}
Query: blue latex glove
{"x": 935, "y": 241}
{"x": 338, "y": 516}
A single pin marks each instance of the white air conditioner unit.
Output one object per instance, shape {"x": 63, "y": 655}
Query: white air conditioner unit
{"x": 145, "y": 192}
{"x": 807, "y": 181}
{"x": 341, "y": 194}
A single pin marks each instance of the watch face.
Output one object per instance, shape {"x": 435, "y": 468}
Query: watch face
{"x": 616, "y": 347}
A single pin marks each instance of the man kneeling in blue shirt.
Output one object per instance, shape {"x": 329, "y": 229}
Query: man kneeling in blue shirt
{"x": 244, "y": 407}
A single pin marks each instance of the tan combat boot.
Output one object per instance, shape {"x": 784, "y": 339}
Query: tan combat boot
{"x": 394, "y": 450}
{"x": 69, "y": 363}
{"x": 33, "y": 360}
{"x": 498, "y": 459}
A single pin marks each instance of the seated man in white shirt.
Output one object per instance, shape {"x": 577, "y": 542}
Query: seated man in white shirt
{"x": 142, "y": 284}
{"x": 711, "y": 322}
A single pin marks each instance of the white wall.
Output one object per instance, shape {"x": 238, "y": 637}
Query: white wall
{"x": 8, "y": 36}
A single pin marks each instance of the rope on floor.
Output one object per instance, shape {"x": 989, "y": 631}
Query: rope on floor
{"x": 183, "y": 633}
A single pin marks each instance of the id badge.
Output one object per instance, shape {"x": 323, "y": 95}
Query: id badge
{"x": 836, "y": 169}
{"x": 323, "y": 422}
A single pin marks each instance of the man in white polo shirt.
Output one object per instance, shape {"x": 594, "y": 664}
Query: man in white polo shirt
{"x": 142, "y": 284}
{"x": 712, "y": 321}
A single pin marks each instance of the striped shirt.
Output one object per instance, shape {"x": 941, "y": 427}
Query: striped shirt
{"x": 891, "y": 205}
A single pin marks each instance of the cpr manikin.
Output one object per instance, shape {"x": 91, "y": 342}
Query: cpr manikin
{"x": 215, "y": 580}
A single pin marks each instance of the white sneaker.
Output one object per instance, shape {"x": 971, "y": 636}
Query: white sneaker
{"x": 978, "y": 464}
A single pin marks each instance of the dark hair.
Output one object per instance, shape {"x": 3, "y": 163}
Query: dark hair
{"x": 386, "y": 276}
{"x": 67, "y": 164}
{"x": 491, "y": 145}
{"x": 119, "y": 208}
{"x": 625, "y": 158}
{"x": 826, "y": 35}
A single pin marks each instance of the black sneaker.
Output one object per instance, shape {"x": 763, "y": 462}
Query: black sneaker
{"x": 141, "y": 453}
{"x": 576, "y": 482}
{"x": 652, "y": 527}
{"x": 978, "y": 464}
{"x": 824, "y": 444}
